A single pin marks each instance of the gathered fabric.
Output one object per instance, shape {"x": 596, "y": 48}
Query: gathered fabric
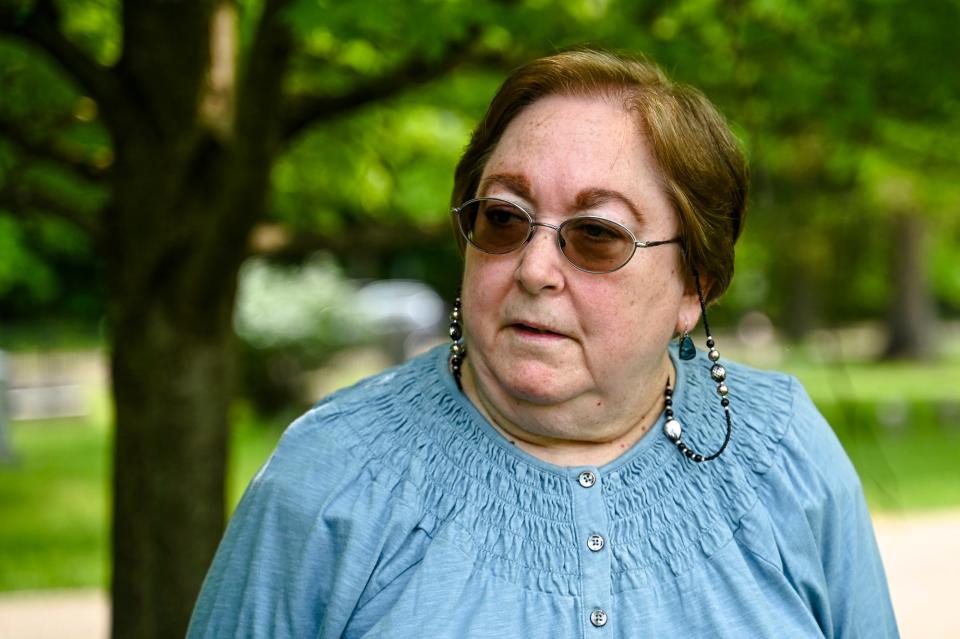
{"x": 393, "y": 509}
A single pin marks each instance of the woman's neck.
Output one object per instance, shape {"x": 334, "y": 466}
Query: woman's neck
{"x": 576, "y": 432}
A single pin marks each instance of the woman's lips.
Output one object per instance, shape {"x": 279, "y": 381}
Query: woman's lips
{"x": 535, "y": 332}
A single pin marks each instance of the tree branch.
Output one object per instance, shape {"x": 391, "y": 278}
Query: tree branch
{"x": 260, "y": 89}
{"x": 41, "y": 28}
{"x": 420, "y": 69}
{"x": 49, "y": 149}
{"x": 26, "y": 203}
{"x": 274, "y": 241}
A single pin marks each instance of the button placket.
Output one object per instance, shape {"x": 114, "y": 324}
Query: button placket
{"x": 590, "y": 517}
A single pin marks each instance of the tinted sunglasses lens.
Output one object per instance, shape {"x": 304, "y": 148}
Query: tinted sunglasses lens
{"x": 596, "y": 245}
{"x": 494, "y": 226}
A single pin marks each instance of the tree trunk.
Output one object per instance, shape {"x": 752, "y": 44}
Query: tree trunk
{"x": 171, "y": 295}
{"x": 171, "y": 386}
{"x": 172, "y": 290}
{"x": 173, "y": 263}
{"x": 800, "y": 305}
{"x": 193, "y": 155}
{"x": 912, "y": 316}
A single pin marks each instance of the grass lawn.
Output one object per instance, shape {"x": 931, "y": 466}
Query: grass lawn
{"x": 900, "y": 425}
{"x": 53, "y": 506}
{"x": 54, "y": 500}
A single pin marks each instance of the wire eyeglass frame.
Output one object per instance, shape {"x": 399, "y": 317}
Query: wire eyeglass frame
{"x": 457, "y": 211}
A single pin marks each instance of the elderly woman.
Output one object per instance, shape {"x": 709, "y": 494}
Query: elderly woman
{"x": 566, "y": 469}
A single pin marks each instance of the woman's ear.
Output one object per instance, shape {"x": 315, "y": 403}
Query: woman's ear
{"x": 691, "y": 305}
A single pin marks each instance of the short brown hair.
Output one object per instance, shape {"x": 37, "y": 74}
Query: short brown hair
{"x": 703, "y": 170}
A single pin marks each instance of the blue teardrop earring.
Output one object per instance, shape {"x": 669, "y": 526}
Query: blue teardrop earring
{"x": 687, "y": 350}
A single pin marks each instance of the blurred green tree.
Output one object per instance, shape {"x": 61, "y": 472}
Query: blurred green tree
{"x": 188, "y": 104}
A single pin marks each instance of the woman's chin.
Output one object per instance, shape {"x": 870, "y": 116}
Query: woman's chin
{"x": 540, "y": 385}
{"x": 517, "y": 378}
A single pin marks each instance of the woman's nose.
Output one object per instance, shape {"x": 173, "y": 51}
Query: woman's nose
{"x": 541, "y": 262}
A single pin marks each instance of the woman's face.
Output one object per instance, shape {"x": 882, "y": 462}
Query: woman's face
{"x": 538, "y": 330}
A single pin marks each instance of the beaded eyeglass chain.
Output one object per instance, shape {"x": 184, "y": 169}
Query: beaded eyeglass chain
{"x": 672, "y": 428}
{"x": 458, "y": 350}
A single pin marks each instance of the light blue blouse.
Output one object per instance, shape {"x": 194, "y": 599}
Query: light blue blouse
{"x": 393, "y": 509}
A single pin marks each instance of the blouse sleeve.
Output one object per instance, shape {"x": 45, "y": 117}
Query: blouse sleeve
{"x": 816, "y": 502}
{"x": 316, "y": 534}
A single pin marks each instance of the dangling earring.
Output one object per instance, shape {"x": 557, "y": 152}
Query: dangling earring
{"x": 687, "y": 350}
{"x": 672, "y": 428}
{"x": 458, "y": 350}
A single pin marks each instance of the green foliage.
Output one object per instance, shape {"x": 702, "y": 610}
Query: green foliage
{"x": 843, "y": 108}
{"x": 95, "y": 24}
{"x": 48, "y": 266}
{"x": 399, "y": 183}
{"x": 19, "y": 260}
{"x": 849, "y": 112}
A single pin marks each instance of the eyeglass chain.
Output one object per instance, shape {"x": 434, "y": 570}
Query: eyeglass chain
{"x": 458, "y": 350}
{"x": 672, "y": 428}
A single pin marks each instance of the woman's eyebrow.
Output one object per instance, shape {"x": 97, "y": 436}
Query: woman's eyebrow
{"x": 516, "y": 183}
{"x": 586, "y": 199}
{"x": 590, "y": 198}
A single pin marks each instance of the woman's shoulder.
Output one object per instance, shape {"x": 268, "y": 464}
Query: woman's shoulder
{"x": 368, "y": 431}
{"x": 371, "y": 407}
{"x": 803, "y": 511}
{"x": 777, "y": 405}
{"x": 784, "y": 440}
{"x": 331, "y": 514}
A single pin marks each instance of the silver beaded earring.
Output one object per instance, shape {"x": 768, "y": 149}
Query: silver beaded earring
{"x": 458, "y": 350}
{"x": 672, "y": 428}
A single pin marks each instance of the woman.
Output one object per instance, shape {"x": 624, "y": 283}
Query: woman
{"x": 565, "y": 471}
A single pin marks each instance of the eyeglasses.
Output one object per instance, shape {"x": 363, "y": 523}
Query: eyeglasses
{"x": 592, "y": 244}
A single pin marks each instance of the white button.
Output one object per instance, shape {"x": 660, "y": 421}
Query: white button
{"x": 598, "y": 618}
{"x": 595, "y": 543}
{"x": 587, "y": 479}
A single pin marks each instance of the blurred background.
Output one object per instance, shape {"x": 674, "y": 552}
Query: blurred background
{"x": 213, "y": 214}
